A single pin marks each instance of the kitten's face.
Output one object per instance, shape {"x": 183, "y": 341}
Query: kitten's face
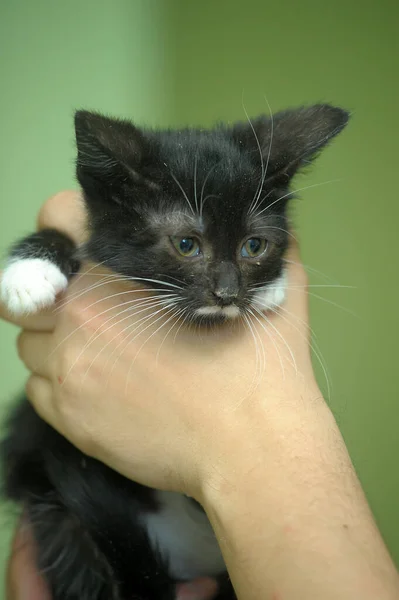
{"x": 199, "y": 216}
{"x": 217, "y": 253}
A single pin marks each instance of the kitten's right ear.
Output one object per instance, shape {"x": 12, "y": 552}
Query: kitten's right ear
{"x": 110, "y": 152}
{"x": 291, "y": 139}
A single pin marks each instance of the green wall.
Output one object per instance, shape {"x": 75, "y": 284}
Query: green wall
{"x": 179, "y": 62}
{"x": 55, "y": 57}
{"x": 345, "y": 52}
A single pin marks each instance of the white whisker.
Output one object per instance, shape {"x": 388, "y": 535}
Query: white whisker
{"x": 313, "y": 346}
{"x": 195, "y": 181}
{"x": 171, "y": 310}
{"x": 178, "y": 316}
{"x": 79, "y": 293}
{"x": 96, "y": 335}
{"x": 152, "y": 297}
{"x": 184, "y": 193}
{"x": 261, "y": 181}
{"x": 255, "y": 379}
{"x": 347, "y": 310}
{"x": 117, "y": 276}
{"x": 282, "y": 229}
{"x": 95, "y": 266}
{"x": 209, "y": 196}
{"x": 269, "y": 334}
{"x": 280, "y": 336}
{"x": 117, "y": 294}
{"x": 186, "y": 318}
{"x": 97, "y": 285}
{"x": 308, "y": 187}
{"x": 254, "y": 207}
{"x": 262, "y": 363}
{"x": 140, "y": 323}
{"x": 298, "y": 287}
{"x": 145, "y": 308}
{"x": 166, "y": 283}
{"x": 310, "y": 269}
{"x": 203, "y": 187}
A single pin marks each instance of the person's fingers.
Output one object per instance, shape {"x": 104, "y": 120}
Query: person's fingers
{"x": 65, "y": 212}
{"x": 23, "y": 581}
{"x": 40, "y": 393}
{"x": 43, "y": 321}
{"x": 34, "y": 349}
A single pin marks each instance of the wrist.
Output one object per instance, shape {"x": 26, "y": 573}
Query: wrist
{"x": 290, "y": 484}
{"x": 249, "y": 439}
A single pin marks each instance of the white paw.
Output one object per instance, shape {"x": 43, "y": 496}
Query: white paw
{"x": 29, "y": 284}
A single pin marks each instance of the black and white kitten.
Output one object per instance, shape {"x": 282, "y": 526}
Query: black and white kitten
{"x": 196, "y": 214}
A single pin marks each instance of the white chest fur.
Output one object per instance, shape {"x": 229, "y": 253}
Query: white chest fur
{"x": 184, "y": 537}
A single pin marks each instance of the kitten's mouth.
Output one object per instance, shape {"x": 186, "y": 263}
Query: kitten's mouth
{"x": 229, "y": 312}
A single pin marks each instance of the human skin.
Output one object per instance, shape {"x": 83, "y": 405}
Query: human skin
{"x": 266, "y": 461}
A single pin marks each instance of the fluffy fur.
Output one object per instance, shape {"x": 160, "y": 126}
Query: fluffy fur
{"x": 151, "y": 195}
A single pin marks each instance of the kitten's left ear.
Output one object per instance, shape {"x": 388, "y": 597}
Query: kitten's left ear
{"x": 110, "y": 153}
{"x": 292, "y": 137}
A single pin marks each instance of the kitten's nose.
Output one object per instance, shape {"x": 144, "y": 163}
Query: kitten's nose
{"x": 224, "y": 297}
{"x": 227, "y": 284}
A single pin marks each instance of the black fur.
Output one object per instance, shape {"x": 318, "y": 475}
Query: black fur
{"x": 51, "y": 245}
{"x": 141, "y": 189}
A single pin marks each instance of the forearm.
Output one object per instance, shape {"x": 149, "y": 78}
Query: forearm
{"x": 294, "y": 523}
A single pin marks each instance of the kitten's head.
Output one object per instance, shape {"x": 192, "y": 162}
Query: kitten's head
{"x": 198, "y": 215}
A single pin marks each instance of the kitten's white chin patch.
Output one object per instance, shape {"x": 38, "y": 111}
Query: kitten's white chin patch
{"x": 231, "y": 312}
{"x": 29, "y": 284}
{"x": 272, "y": 295}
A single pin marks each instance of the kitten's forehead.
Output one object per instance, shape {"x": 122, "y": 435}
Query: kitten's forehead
{"x": 208, "y": 193}
{"x": 211, "y": 191}
{"x": 176, "y": 219}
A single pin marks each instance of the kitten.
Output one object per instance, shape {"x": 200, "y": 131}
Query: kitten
{"x": 200, "y": 216}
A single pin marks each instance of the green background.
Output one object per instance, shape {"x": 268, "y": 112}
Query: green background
{"x": 175, "y": 62}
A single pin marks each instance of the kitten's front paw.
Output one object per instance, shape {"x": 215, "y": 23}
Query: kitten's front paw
{"x": 29, "y": 284}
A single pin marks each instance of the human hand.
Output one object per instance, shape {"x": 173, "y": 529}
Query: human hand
{"x": 23, "y": 579}
{"x": 163, "y": 411}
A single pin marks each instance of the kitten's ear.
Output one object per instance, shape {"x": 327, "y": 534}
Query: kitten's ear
{"x": 110, "y": 152}
{"x": 292, "y": 137}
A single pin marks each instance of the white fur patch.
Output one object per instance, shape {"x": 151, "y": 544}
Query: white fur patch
{"x": 29, "y": 284}
{"x": 272, "y": 295}
{"x": 230, "y": 312}
{"x": 184, "y": 537}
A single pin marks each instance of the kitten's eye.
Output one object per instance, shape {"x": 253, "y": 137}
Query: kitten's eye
{"x": 186, "y": 246}
{"x": 253, "y": 248}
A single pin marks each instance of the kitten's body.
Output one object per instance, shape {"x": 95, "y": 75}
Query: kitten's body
{"x": 200, "y": 215}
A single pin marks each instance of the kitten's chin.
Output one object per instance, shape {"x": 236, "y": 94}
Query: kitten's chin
{"x": 218, "y": 312}
{"x": 269, "y": 297}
